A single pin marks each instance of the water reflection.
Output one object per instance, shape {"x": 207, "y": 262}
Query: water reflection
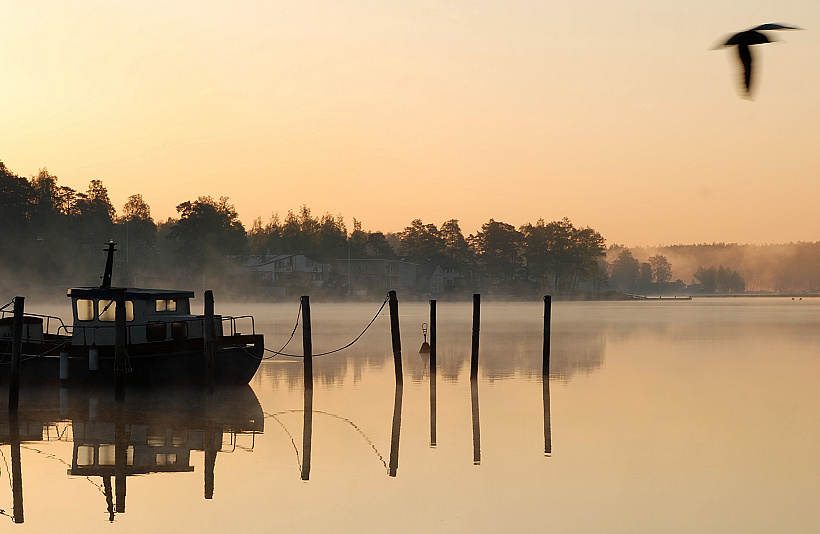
{"x": 151, "y": 432}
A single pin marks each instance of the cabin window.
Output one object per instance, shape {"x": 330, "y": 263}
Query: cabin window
{"x": 179, "y": 330}
{"x": 162, "y": 305}
{"x": 85, "y": 310}
{"x": 107, "y": 310}
{"x": 155, "y": 331}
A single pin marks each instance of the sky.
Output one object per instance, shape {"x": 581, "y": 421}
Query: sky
{"x": 617, "y": 115}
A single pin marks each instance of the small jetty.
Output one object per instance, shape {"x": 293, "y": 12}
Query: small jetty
{"x": 673, "y": 298}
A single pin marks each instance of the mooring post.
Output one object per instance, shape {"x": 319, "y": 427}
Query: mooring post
{"x": 432, "y": 334}
{"x": 16, "y": 351}
{"x": 547, "y": 334}
{"x": 476, "y": 327}
{"x": 432, "y": 373}
{"x": 209, "y": 333}
{"x": 396, "y": 335}
{"x": 307, "y": 342}
{"x": 120, "y": 342}
{"x": 307, "y": 423}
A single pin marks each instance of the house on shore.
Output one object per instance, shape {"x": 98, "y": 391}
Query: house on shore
{"x": 369, "y": 275}
{"x": 290, "y": 269}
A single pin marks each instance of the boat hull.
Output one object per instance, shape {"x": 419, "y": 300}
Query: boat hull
{"x": 236, "y": 360}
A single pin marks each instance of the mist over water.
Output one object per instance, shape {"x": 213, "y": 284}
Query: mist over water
{"x": 690, "y": 416}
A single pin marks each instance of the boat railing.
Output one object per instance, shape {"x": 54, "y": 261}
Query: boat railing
{"x": 59, "y": 325}
{"x": 91, "y": 333}
{"x": 232, "y": 323}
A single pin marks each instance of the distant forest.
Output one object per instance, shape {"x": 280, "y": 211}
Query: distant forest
{"x": 53, "y": 236}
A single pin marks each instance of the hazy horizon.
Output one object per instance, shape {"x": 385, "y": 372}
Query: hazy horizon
{"x": 617, "y": 116}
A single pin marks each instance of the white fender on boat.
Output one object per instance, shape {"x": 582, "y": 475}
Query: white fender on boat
{"x": 64, "y": 365}
{"x": 93, "y": 358}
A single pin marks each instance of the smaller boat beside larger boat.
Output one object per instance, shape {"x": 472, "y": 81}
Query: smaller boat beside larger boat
{"x": 165, "y": 342}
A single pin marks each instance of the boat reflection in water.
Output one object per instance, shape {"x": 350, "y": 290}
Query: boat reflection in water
{"x": 152, "y": 431}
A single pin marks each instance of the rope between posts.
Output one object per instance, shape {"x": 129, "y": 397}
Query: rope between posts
{"x": 384, "y": 303}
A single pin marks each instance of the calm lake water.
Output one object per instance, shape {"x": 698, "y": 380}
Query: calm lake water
{"x": 695, "y": 416}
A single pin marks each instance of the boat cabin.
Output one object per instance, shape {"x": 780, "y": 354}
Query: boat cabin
{"x": 151, "y": 315}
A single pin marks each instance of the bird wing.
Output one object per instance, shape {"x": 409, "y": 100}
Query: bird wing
{"x": 749, "y": 37}
{"x": 775, "y": 26}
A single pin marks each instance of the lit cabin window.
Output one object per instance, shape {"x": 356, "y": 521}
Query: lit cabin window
{"x": 107, "y": 310}
{"x": 85, "y": 310}
{"x": 162, "y": 305}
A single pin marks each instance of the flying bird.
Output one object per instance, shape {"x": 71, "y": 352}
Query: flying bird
{"x": 744, "y": 40}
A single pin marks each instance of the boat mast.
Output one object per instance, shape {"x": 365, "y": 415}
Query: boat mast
{"x": 109, "y": 264}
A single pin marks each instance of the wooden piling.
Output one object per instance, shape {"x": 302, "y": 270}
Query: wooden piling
{"x": 209, "y": 333}
{"x": 307, "y": 423}
{"x": 120, "y": 345}
{"x": 432, "y": 373}
{"x": 16, "y": 352}
{"x": 307, "y": 342}
{"x": 432, "y": 334}
{"x": 396, "y": 335}
{"x": 476, "y": 327}
{"x": 547, "y": 334}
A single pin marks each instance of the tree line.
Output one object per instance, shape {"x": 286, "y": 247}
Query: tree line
{"x": 53, "y": 232}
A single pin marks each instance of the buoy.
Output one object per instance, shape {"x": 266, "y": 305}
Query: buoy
{"x": 425, "y": 347}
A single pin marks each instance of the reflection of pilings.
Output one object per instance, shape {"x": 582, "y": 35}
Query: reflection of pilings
{"x": 476, "y": 326}
{"x": 547, "y": 316}
{"x": 547, "y": 424}
{"x": 210, "y": 446}
{"x": 476, "y": 424}
{"x": 432, "y": 373}
{"x": 109, "y": 497}
{"x": 120, "y": 457}
{"x": 307, "y": 426}
{"x": 16, "y": 352}
{"x": 307, "y": 432}
{"x": 16, "y": 468}
{"x": 394, "y": 438}
{"x": 393, "y": 302}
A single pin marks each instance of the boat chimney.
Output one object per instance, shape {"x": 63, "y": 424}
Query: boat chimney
{"x": 109, "y": 264}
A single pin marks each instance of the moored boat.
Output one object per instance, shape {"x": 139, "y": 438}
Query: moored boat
{"x": 165, "y": 342}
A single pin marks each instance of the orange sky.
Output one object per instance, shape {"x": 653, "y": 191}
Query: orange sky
{"x": 616, "y": 115}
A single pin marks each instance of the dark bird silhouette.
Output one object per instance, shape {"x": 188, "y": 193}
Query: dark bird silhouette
{"x": 744, "y": 40}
